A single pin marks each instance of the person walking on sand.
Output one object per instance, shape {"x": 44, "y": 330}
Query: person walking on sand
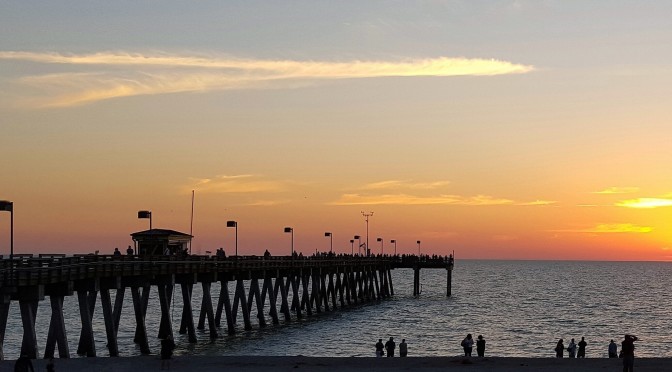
{"x": 467, "y": 345}
{"x": 389, "y": 346}
{"x": 480, "y": 346}
{"x": 167, "y": 347}
{"x": 403, "y": 348}
{"x": 628, "y": 351}
{"x": 582, "y": 348}
{"x": 613, "y": 349}
{"x": 559, "y": 349}
{"x": 23, "y": 364}
{"x": 571, "y": 348}
{"x": 379, "y": 347}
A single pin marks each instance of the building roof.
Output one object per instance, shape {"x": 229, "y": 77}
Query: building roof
{"x": 159, "y": 233}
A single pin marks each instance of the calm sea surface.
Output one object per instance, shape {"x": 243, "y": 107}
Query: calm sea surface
{"x": 521, "y": 308}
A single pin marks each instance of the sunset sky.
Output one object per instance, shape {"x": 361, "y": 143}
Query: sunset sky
{"x": 497, "y": 129}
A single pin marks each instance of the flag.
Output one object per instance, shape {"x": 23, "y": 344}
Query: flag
{"x": 144, "y": 214}
{"x": 6, "y": 206}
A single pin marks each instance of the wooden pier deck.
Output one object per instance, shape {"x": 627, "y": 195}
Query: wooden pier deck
{"x": 290, "y": 287}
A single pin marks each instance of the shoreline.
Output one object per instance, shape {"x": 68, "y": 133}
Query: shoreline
{"x": 371, "y": 364}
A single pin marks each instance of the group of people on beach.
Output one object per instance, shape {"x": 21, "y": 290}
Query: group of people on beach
{"x": 627, "y": 350}
{"x": 389, "y": 347}
{"x": 468, "y": 345}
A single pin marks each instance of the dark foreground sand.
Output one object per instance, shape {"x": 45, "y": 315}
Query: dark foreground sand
{"x": 277, "y": 364}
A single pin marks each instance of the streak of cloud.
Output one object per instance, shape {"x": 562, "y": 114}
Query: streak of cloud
{"x": 406, "y": 199}
{"x": 133, "y": 74}
{"x": 611, "y": 228}
{"x": 618, "y": 190}
{"x": 645, "y": 203}
{"x": 235, "y": 184}
{"x": 396, "y": 184}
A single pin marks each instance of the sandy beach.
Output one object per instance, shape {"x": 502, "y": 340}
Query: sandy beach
{"x": 298, "y": 363}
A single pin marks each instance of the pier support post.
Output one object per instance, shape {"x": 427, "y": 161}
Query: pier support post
{"x": 141, "y": 329}
{"x": 187, "y": 322}
{"x": 389, "y": 282}
{"x": 4, "y": 313}
{"x": 416, "y": 281}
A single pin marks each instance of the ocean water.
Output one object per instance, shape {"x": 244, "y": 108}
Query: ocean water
{"x": 521, "y": 308}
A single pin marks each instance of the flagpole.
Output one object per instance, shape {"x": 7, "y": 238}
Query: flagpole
{"x": 191, "y": 227}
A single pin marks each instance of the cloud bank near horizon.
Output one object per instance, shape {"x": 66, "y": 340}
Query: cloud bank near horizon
{"x": 108, "y": 75}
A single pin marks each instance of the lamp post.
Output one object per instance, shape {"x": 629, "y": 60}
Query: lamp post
{"x": 366, "y": 218}
{"x": 359, "y": 244}
{"x": 146, "y": 214}
{"x": 394, "y": 241}
{"x": 381, "y": 245}
{"x": 8, "y": 206}
{"x": 331, "y": 242}
{"x": 291, "y": 230}
{"x": 234, "y": 224}
{"x": 352, "y": 247}
{"x": 418, "y": 248}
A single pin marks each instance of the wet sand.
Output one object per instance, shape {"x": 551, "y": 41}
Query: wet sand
{"x": 298, "y": 363}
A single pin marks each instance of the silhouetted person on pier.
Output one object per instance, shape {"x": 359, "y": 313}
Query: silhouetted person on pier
{"x": 379, "y": 347}
{"x": 628, "y": 351}
{"x": 117, "y": 252}
{"x": 267, "y": 253}
{"x": 50, "y": 365}
{"x": 129, "y": 251}
{"x": 221, "y": 253}
{"x": 23, "y": 364}
{"x": 559, "y": 349}
{"x": 389, "y": 346}
{"x": 571, "y": 348}
{"x": 613, "y": 349}
{"x": 582, "y": 348}
{"x": 403, "y": 348}
{"x": 468, "y": 345}
{"x": 480, "y": 346}
{"x": 167, "y": 347}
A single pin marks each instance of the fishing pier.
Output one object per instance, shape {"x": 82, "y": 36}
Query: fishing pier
{"x": 269, "y": 288}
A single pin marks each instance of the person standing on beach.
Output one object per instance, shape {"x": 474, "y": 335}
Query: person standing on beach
{"x": 559, "y": 349}
{"x": 403, "y": 348}
{"x": 23, "y": 364}
{"x": 628, "y": 351}
{"x": 167, "y": 347}
{"x": 379, "y": 347}
{"x": 467, "y": 344}
{"x": 50, "y": 365}
{"x": 582, "y": 348}
{"x": 613, "y": 349}
{"x": 480, "y": 346}
{"x": 389, "y": 346}
{"x": 571, "y": 348}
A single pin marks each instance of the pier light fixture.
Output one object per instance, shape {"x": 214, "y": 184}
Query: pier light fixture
{"x": 146, "y": 214}
{"x": 8, "y": 206}
{"x": 352, "y": 247}
{"x": 291, "y": 230}
{"x": 234, "y": 224}
{"x": 418, "y": 248}
{"x": 331, "y": 241}
{"x": 381, "y": 245}
{"x": 394, "y": 241}
{"x": 359, "y": 244}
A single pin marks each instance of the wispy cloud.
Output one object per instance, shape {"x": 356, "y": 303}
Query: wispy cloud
{"x": 397, "y": 184}
{"x": 611, "y": 228}
{"x": 235, "y": 184}
{"x": 645, "y": 203}
{"x": 406, "y": 199}
{"x": 618, "y": 190}
{"x": 119, "y": 74}
{"x": 538, "y": 202}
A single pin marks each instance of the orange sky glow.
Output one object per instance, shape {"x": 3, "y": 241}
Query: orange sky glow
{"x": 504, "y": 130}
